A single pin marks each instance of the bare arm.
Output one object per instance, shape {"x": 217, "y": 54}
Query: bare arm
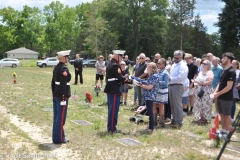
{"x": 224, "y": 90}
{"x": 143, "y": 75}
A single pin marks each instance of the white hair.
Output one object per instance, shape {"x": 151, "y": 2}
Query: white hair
{"x": 178, "y": 52}
{"x": 142, "y": 54}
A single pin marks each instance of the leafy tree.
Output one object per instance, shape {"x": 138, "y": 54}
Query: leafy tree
{"x": 180, "y": 16}
{"x": 228, "y": 27}
{"x": 139, "y": 23}
{"x": 96, "y": 26}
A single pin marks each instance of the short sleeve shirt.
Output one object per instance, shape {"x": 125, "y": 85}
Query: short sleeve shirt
{"x": 99, "y": 66}
{"x": 140, "y": 68}
{"x": 192, "y": 70}
{"x": 227, "y": 75}
{"x": 151, "y": 94}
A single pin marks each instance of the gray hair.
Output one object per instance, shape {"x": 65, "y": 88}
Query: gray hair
{"x": 178, "y": 52}
{"x": 143, "y": 54}
{"x": 198, "y": 60}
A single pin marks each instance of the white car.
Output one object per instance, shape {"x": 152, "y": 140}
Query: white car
{"x": 9, "y": 62}
{"x": 51, "y": 61}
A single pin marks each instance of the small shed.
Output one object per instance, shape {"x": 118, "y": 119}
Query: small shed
{"x": 22, "y": 53}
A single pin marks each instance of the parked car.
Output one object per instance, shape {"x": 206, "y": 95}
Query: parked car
{"x": 89, "y": 63}
{"x": 51, "y": 61}
{"x": 9, "y": 62}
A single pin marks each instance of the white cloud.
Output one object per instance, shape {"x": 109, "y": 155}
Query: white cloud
{"x": 209, "y": 10}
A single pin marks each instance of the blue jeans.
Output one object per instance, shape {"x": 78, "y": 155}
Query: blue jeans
{"x": 233, "y": 108}
{"x": 59, "y": 118}
{"x": 113, "y": 108}
{"x": 149, "y": 105}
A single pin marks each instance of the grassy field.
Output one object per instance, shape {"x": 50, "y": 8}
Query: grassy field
{"x": 26, "y": 128}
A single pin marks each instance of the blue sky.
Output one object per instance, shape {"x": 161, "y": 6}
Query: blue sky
{"x": 208, "y": 9}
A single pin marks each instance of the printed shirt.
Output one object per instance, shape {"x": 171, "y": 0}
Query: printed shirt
{"x": 99, "y": 66}
{"x": 235, "y": 90}
{"x": 151, "y": 94}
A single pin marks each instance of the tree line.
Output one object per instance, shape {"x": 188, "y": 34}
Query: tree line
{"x": 91, "y": 29}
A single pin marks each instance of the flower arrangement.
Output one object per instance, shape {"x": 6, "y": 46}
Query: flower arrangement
{"x": 88, "y": 98}
{"x": 14, "y": 77}
{"x": 97, "y": 89}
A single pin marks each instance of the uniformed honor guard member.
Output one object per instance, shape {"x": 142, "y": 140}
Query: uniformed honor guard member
{"x": 112, "y": 88}
{"x": 61, "y": 93}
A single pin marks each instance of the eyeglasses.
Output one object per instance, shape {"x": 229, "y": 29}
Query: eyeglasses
{"x": 141, "y": 58}
{"x": 159, "y": 63}
{"x": 122, "y": 64}
{"x": 204, "y": 63}
{"x": 147, "y": 60}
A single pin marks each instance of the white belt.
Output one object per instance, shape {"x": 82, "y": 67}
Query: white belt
{"x": 58, "y": 83}
{"x": 112, "y": 79}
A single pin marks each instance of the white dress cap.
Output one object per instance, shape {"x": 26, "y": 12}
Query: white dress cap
{"x": 64, "y": 53}
{"x": 119, "y": 52}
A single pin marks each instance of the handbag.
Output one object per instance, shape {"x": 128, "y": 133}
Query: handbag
{"x": 127, "y": 86}
{"x": 200, "y": 93}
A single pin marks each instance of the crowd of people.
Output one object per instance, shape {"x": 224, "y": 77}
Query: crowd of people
{"x": 173, "y": 87}
{"x": 168, "y": 90}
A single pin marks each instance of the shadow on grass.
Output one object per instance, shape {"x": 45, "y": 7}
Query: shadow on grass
{"x": 103, "y": 104}
{"x": 48, "y": 146}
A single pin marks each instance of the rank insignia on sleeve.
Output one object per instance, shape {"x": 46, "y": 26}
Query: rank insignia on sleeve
{"x": 65, "y": 73}
{"x": 119, "y": 71}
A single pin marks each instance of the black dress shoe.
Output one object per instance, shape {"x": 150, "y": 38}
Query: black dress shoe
{"x": 74, "y": 83}
{"x": 65, "y": 141}
{"x": 116, "y": 131}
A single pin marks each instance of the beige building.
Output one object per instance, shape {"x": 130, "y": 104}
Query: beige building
{"x": 22, "y": 53}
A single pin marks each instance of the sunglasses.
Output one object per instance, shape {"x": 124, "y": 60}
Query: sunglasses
{"x": 204, "y": 63}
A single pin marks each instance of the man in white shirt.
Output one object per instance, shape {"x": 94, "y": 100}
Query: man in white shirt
{"x": 177, "y": 78}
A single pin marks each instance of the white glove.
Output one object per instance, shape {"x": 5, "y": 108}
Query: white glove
{"x": 63, "y": 103}
{"x": 136, "y": 83}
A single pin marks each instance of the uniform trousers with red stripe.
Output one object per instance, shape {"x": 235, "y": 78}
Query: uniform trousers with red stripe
{"x": 59, "y": 118}
{"x": 113, "y": 108}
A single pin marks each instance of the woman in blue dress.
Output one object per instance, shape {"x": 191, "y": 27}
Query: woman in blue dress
{"x": 150, "y": 92}
{"x": 162, "y": 93}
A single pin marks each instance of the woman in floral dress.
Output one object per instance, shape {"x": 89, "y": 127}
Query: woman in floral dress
{"x": 150, "y": 91}
{"x": 203, "y": 106}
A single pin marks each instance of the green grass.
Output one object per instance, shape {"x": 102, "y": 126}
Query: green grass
{"x": 32, "y": 93}
{"x": 28, "y": 63}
